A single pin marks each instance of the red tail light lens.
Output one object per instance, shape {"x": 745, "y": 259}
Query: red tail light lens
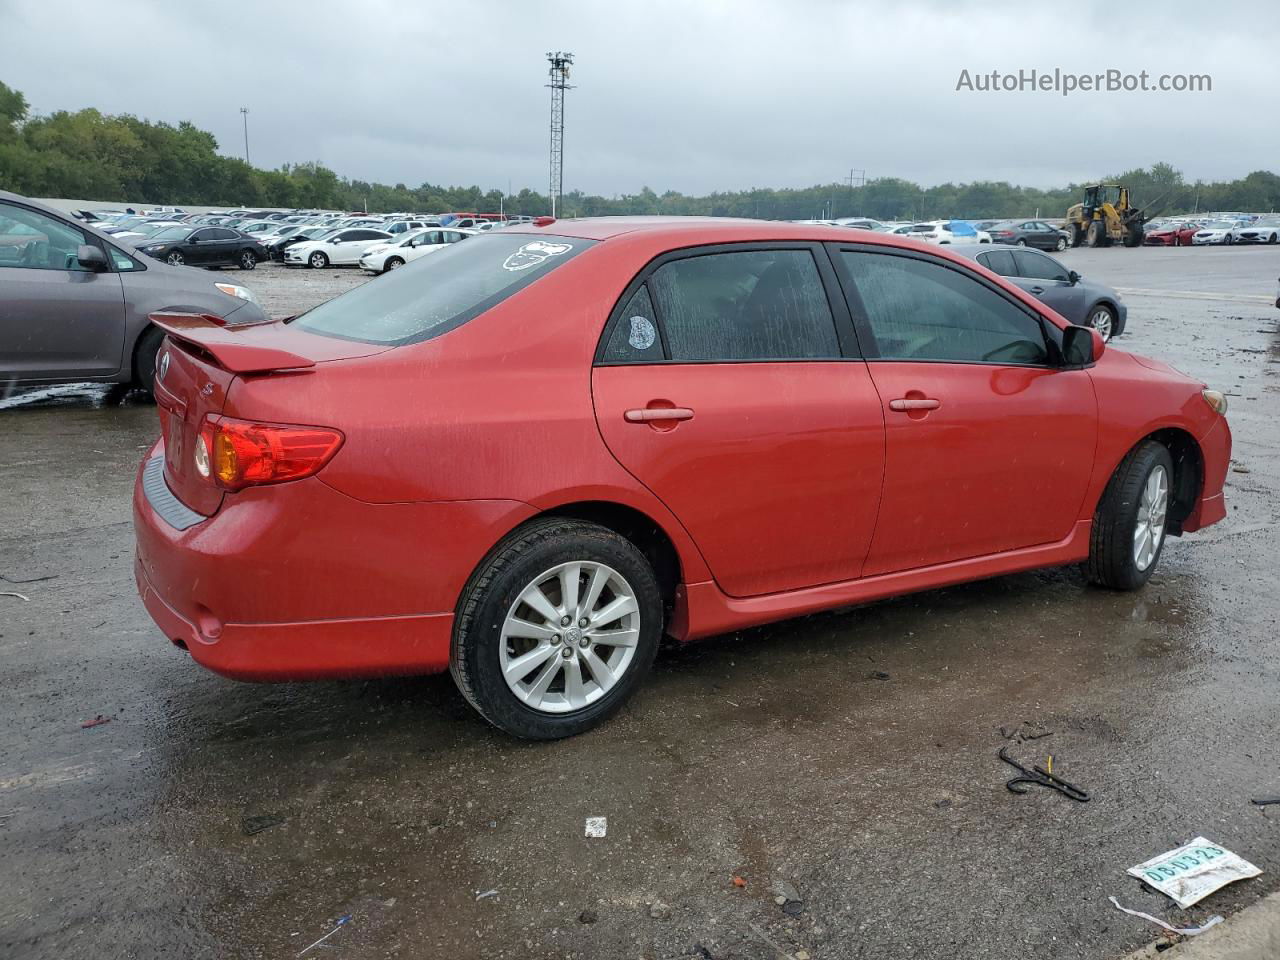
{"x": 242, "y": 453}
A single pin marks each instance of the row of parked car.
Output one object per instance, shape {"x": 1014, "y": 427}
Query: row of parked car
{"x": 1030, "y": 232}
{"x": 1222, "y": 231}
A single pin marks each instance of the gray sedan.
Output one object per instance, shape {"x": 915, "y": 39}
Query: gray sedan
{"x": 1079, "y": 300}
{"x": 1029, "y": 233}
{"x": 74, "y": 303}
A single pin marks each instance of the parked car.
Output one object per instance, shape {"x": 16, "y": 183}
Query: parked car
{"x": 205, "y": 247}
{"x": 698, "y": 459}
{"x": 276, "y": 248}
{"x": 382, "y": 257}
{"x": 859, "y": 223}
{"x": 340, "y": 248}
{"x": 1263, "y": 230}
{"x": 74, "y": 304}
{"x": 1030, "y": 233}
{"x": 1177, "y": 233}
{"x": 401, "y": 227}
{"x": 1215, "y": 232}
{"x": 943, "y": 232}
{"x": 1079, "y": 300}
{"x": 145, "y": 230}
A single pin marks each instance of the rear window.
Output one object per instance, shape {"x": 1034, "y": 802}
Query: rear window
{"x": 438, "y": 293}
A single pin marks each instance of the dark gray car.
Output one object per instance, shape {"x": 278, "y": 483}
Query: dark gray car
{"x": 74, "y": 303}
{"x": 1079, "y": 300}
{"x": 1029, "y": 233}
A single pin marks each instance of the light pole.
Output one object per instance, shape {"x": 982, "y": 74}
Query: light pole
{"x": 244, "y": 112}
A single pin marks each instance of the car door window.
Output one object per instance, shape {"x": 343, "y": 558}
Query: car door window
{"x": 919, "y": 309}
{"x": 748, "y": 305}
{"x": 221, "y": 234}
{"x": 635, "y": 336}
{"x": 35, "y": 241}
{"x": 1036, "y": 266}
{"x": 999, "y": 261}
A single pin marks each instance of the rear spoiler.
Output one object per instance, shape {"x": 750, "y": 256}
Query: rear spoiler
{"x": 228, "y": 345}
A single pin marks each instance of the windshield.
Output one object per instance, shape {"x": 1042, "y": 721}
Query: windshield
{"x": 1220, "y": 225}
{"x": 172, "y": 233}
{"x": 438, "y": 293}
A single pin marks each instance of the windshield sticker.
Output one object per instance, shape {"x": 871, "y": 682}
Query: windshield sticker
{"x": 532, "y": 254}
{"x": 642, "y": 333}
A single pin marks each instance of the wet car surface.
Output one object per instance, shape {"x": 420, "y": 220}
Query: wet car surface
{"x": 850, "y": 754}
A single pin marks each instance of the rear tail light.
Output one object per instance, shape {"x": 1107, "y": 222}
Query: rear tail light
{"x": 235, "y": 454}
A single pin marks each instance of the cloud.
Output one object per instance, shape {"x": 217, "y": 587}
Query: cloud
{"x": 672, "y": 95}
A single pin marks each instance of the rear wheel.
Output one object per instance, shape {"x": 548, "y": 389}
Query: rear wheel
{"x": 248, "y": 260}
{"x": 318, "y": 260}
{"x": 1129, "y": 525}
{"x": 144, "y": 358}
{"x": 556, "y": 629}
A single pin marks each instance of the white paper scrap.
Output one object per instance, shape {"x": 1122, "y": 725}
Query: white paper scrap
{"x": 1193, "y": 871}
{"x": 1182, "y": 931}
{"x": 596, "y": 826}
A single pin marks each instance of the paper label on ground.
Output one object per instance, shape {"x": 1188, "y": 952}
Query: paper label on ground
{"x": 1193, "y": 871}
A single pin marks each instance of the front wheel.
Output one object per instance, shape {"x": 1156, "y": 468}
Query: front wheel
{"x": 556, "y": 629}
{"x": 1103, "y": 319}
{"x": 1130, "y": 523}
{"x": 394, "y": 262}
{"x": 1061, "y": 244}
{"x": 1022, "y": 242}
{"x": 176, "y": 258}
{"x": 318, "y": 260}
{"x": 248, "y": 260}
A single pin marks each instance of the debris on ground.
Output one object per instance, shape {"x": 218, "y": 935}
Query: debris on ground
{"x": 252, "y": 825}
{"x": 10, "y": 593}
{"x": 597, "y": 826}
{"x": 785, "y": 889}
{"x": 739, "y": 881}
{"x": 1181, "y": 931}
{"x": 659, "y": 910}
{"x": 486, "y": 895}
{"x": 1024, "y": 732}
{"x": 765, "y": 937}
{"x": 1264, "y": 801}
{"x": 342, "y": 922}
{"x": 877, "y": 675}
{"x": 588, "y": 916}
{"x": 52, "y": 576}
{"x": 1193, "y": 871}
{"x": 1040, "y": 777}
{"x": 97, "y": 721}
{"x": 793, "y": 908}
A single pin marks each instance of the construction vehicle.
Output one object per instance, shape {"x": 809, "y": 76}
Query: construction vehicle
{"x": 1105, "y": 217}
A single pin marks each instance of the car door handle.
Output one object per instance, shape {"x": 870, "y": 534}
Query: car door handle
{"x": 649, "y": 414}
{"x": 906, "y": 404}
{"x": 1037, "y": 289}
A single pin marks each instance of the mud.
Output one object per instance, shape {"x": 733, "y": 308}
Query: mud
{"x": 852, "y": 754}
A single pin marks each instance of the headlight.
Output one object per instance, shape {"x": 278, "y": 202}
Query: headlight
{"x": 235, "y": 290}
{"x": 1216, "y": 400}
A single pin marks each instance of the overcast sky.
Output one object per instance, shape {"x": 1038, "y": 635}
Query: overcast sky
{"x": 692, "y": 96}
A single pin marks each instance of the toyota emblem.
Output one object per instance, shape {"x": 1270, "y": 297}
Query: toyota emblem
{"x": 164, "y": 364}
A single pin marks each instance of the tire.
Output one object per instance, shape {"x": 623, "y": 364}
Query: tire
{"x": 1227, "y": 241}
{"x": 1077, "y": 234}
{"x": 392, "y": 263}
{"x": 1133, "y": 236}
{"x": 1115, "y": 558}
{"x": 1096, "y": 235}
{"x": 1272, "y": 238}
{"x": 175, "y": 258}
{"x": 1103, "y": 319}
{"x": 541, "y": 552}
{"x": 1021, "y": 242}
{"x": 144, "y": 358}
{"x": 248, "y": 260}
{"x": 1061, "y": 244}
{"x": 317, "y": 260}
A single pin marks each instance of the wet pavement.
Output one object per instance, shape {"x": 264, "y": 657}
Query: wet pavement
{"x": 850, "y": 754}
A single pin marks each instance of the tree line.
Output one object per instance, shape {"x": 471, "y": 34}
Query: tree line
{"x": 88, "y": 154}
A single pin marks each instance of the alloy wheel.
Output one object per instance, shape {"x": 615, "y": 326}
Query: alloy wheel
{"x": 1100, "y": 320}
{"x": 569, "y": 637}
{"x": 176, "y": 259}
{"x": 1148, "y": 533}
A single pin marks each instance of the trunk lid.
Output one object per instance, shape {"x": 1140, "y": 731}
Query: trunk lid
{"x": 197, "y": 365}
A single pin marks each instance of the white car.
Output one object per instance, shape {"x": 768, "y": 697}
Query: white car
{"x": 259, "y": 228}
{"x": 1263, "y": 230}
{"x": 1216, "y": 231}
{"x": 943, "y": 232}
{"x": 388, "y": 256}
{"x": 145, "y": 230}
{"x": 343, "y": 247}
{"x": 399, "y": 228}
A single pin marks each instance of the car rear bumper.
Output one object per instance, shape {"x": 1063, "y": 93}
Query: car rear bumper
{"x": 300, "y": 581}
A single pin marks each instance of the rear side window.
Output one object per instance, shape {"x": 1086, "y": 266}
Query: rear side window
{"x": 1036, "y": 266}
{"x": 999, "y": 261}
{"x": 922, "y": 310}
{"x": 749, "y": 305}
{"x": 435, "y": 294}
{"x": 635, "y": 336}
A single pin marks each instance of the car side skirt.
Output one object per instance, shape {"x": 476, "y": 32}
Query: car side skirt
{"x": 703, "y": 609}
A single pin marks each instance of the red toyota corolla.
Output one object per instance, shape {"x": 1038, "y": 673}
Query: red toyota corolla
{"x": 528, "y": 456}
{"x": 1172, "y": 235}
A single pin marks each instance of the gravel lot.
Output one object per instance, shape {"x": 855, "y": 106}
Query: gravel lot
{"x": 850, "y": 755}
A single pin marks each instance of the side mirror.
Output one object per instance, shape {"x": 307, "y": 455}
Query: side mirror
{"x": 1082, "y": 346}
{"x": 1073, "y": 277}
{"x": 92, "y": 258}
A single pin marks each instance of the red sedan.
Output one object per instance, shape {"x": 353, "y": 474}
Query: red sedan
{"x": 527, "y": 457}
{"x": 1172, "y": 235}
